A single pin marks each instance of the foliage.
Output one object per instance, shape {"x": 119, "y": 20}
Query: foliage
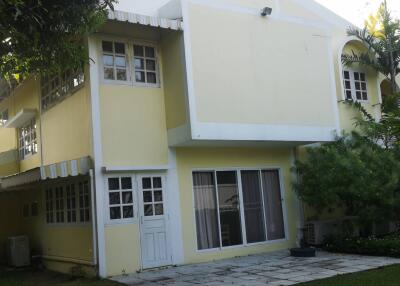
{"x": 43, "y": 36}
{"x": 372, "y": 245}
{"x": 381, "y": 36}
{"x": 353, "y": 174}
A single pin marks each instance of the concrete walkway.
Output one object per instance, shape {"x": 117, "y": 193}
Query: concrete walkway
{"x": 276, "y": 268}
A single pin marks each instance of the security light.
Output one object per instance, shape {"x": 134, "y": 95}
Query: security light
{"x": 266, "y": 11}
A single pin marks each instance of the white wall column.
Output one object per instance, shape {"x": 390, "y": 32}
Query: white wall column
{"x": 97, "y": 155}
{"x": 174, "y": 210}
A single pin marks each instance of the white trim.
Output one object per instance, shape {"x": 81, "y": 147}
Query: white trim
{"x": 263, "y": 132}
{"x": 109, "y": 169}
{"x": 97, "y": 154}
{"x": 173, "y": 206}
{"x": 179, "y": 134}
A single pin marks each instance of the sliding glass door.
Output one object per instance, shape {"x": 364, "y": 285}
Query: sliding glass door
{"x": 236, "y": 207}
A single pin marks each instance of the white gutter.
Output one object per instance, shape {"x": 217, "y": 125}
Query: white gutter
{"x": 94, "y": 220}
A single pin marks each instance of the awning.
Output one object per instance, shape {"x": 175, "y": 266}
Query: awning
{"x": 21, "y": 118}
{"x": 145, "y": 20}
{"x": 71, "y": 168}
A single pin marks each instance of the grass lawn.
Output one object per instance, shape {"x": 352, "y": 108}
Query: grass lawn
{"x": 388, "y": 276}
{"x": 45, "y": 278}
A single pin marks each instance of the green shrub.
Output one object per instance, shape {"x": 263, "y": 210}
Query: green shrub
{"x": 376, "y": 246}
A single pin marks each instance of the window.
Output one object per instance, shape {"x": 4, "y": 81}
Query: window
{"x": 355, "y": 85}
{"x": 59, "y": 195}
{"x": 71, "y": 203}
{"x": 34, "y": 209}
{"x": 145, "y": 64}
{"x": 152, "y": 196}
{"x": 27, "y": 140}
{"x": 25, "y": 211}
{"x": 120, "y": 195}
{"x": 56, "y": 87}
{"x": 68, "y": 203}
{"x": 84, "y": 202}
{"x": 114, "y": 61}
{"x": 49, "y": 206}
{"x": 3, "y": 117}
{"x": 228, "y": 213}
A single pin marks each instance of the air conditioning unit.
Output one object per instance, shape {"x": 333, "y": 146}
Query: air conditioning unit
{"x": 315, "y": 232}
{"x": 18, "y": 251}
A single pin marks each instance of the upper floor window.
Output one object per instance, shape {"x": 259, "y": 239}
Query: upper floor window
{"x": 56, "y": 87}
{"x": 130, "y": 63}
{"x": 27, "y": 140}
{"x": 3, "y": 117}
{"x": 355, "y": 85}
{"x": 145, "y": 63}
{"x": 114, "y": 61}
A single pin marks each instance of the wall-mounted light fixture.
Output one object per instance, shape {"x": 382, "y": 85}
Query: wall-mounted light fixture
{"x": 266, "y": 11}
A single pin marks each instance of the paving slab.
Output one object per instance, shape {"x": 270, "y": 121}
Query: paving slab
{"x": 269, "y": 269}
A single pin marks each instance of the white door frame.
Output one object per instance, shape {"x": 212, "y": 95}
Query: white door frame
{"x": 166, "y": 215}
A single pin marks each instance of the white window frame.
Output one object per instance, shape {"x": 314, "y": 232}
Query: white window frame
{"x": 53, "y": 212}
{"x": 157, "y": 59}
{"x": 135, "y": 202}
{"x": 242, "y": 216}
{"x": 56, "y": 94}
{"x": 129, "y": 43}
{"x": 101, "y": 61}
{"x": 30, "y": 137}
{"x": 353, "y": 84}
{"x": 3, "y": 117}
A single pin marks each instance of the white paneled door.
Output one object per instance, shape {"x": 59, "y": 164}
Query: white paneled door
{"x": 153, "y": 222}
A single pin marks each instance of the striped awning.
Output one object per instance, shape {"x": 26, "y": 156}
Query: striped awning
{"x": 145, "y": 20}
{"x": 71, "y": 168}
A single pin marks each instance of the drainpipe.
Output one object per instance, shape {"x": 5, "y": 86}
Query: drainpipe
{"x": 94, "y": 220}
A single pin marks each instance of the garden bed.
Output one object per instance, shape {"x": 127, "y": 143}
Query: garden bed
{"x": 388, "y": 245}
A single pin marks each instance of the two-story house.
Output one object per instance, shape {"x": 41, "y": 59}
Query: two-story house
{"x": 175, "y": 145}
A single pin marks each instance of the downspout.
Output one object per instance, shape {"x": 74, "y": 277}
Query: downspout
{"x": 94, "y": 219}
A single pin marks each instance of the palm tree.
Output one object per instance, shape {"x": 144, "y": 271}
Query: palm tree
{"x": 381, "y": 36}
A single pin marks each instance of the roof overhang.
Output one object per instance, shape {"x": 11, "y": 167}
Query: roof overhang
{"x": 71, "y": 168}
{"x": 23, "y": 116}
{"x": 145, "y": 20}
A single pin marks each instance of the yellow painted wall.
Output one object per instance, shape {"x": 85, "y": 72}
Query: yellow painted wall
{"x": 133, "y": 126}
{"x": 261, "y": 71}
{"x": 174, "y": 78}
{"x": 26, "y": 95}
{"x": 66, "y": 129}
{"x": 189, "y": 159}
{"x": 9, "y": 220}
{"x": 122, "y": 249}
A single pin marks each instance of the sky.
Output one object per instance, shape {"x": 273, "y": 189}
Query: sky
{"x": 355, "y": 11}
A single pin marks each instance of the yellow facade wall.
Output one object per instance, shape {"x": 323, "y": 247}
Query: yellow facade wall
{"x": 189, "y": 159}
{"x": 133, "y": 124}
{"x": 9, "y": 220}
{"x": 262, "y": 71}
{"x": 122, "y": 249}
{"x": 174, "y": 79}
{"x": 66, "y": 129}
